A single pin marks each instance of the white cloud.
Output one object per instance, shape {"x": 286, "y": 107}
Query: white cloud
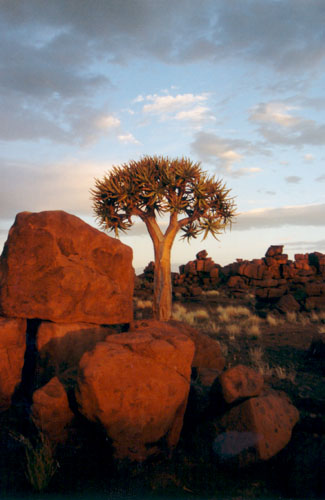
{"x": 275, "y": 113}
{"x": 127, "y": 139}
{"x": 107, "y": 122}
{"x": 169, "y": 103}
{"x": 139, "y": 98}
{"x": 197, "y": 114}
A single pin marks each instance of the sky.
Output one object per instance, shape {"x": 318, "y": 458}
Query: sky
{"x": 238, "y": 85}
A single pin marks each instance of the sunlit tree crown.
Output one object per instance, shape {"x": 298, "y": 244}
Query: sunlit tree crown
{"x": 157, "y": 185}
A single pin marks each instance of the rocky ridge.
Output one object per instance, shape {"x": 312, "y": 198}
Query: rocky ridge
{"x": 275, "y": 280}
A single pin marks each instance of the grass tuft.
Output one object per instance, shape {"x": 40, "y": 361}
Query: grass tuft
{"x": 40, "y": 462}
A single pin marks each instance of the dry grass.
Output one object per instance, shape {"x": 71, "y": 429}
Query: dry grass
{"x": 40, "y": 462}
{"x": 143, "y": 304}
{"x": 272, "y": 320}
{"x": 283, "y": 373}
{"x": 253, "y": 331}
{"x": 213, "y": 327}
{"x": 199, "y": 316}
{"x": 291, "y": 317}
{"x": 233, "y": 330}
{"x": 256, "y": 355}
{"x": 229, "y": 313}
{"x": 211, "y": 293}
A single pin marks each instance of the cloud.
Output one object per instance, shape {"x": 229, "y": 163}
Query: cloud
{"x": 169, "y": 103}
{"x": 300, "y": 215}
{"x": 279, "y": 126}
{"x": 127, "y": 139}
{"x": 307, "y": 246}
{"x": 175, "y": 31}
{"x": 196, "y": 114}
{"x": 321, "y": 178}
{"x": 274, "y": 112}
{"x": 309, "y": 158}
{"x": 293, "y": 179}
{"x": 225, "y": 153}
{"x": 35, "y": 187}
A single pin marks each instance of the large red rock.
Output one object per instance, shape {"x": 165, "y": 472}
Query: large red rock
{"x": 136, "y": 386}
{"x": 56, "y": 267}
{"x": 51, "y": 412}
{"x": 208, "y": 355}
{"x": 266, "y": 420}
{"x": 240, "y": 382}
{"x": 61, "y": 345}
{"x": 12, "y": 352}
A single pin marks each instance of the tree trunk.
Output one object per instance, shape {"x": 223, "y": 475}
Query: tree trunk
{"x": 162, "y": 300}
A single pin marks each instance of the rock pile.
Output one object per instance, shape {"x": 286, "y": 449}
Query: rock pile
{"x": 66, "y": 289}
{"x": 247, "y": 422}
{"x": 194, "y": 277}
{"x": 290, "y": 285}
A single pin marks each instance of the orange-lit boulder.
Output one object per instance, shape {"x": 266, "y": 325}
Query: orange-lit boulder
{"x": 61, "y": 345}
{"x": 51, "y": 411}
{"x": 56, "y": 267}
{"x": 136, "y": 385}
{"x": 240, "y": 382}
{"x": 208, "y": 355}
{"x": 12, "y": 351}
{"x": 266, "y": 420}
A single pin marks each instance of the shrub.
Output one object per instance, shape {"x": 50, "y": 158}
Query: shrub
{"x": 40, "y": 462}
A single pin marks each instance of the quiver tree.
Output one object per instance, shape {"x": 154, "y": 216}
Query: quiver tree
{"x": 154, "y": 186}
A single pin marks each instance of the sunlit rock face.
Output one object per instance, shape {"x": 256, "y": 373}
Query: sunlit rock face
{"x": 12, "y": 351}
{"x": 136, "y": 385}
{"x": 56, "y": 267}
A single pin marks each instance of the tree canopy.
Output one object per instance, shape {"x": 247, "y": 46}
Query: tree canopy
{"x": 154, "y": 186}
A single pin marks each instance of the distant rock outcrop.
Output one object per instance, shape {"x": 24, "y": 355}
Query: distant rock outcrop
{"x": 56, "y": 267}
{"x": 273, "y": 279}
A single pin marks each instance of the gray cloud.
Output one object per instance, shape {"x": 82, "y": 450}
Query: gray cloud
{"x": 306, "y": 215}
{"x": 293, "y": 179}
{"x": 226, "y": 153}
{"x": 321, "y": 178}
{"x": 307, "y": 245}
{"x": 287, "y": 35}
{"x": 279, "y": 124}
{"x": 53, "y": 53}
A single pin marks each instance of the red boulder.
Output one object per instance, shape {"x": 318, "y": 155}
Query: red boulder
{"x": 12, "y": 352}
{"x": 56, "y": 267}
